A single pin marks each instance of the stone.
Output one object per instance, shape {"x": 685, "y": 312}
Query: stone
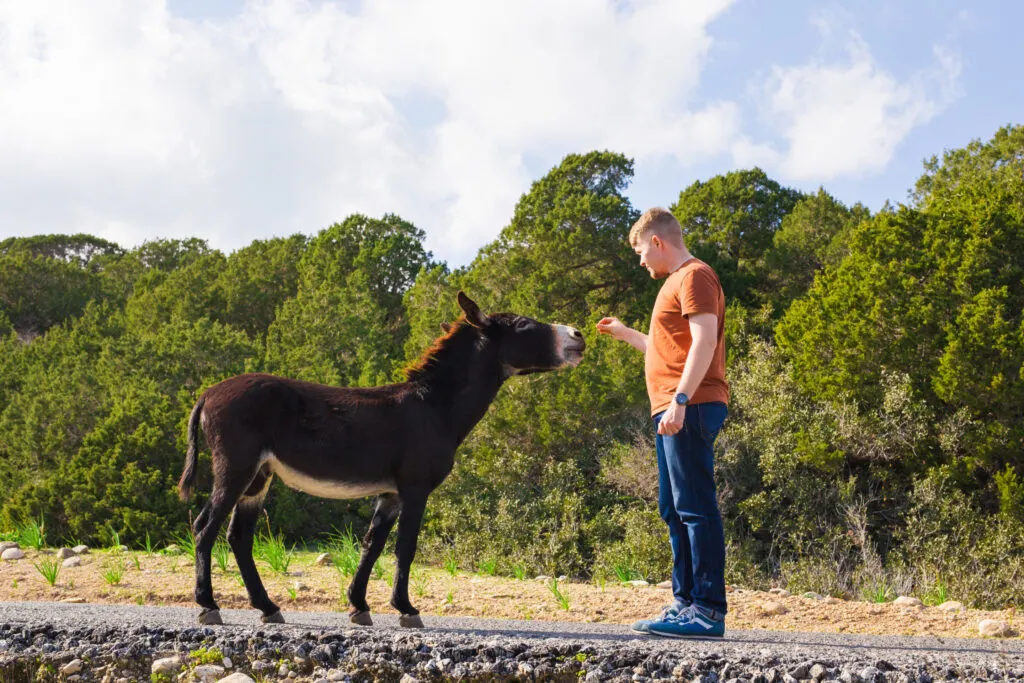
{"x": 774, "y": 609}
{"x": 282, "y": 671}
{"x": 870, "y": 674}
{"x": 299, "y": 586}
{"x": 81, "y": 550}
{"x": 952, "y": 606}
{"x": 336, "y": 676}
{"x": 907, "y": 601}
{"x": 74, "y": 601}
{"x": 637, "y": 582}
{"x": 65, "y": 553}
{"x": 811, "y": 595}
{"x": 237, "y": 677}
{"x": 74, "y": 561}
{"x": 665, "y": 584}
{"x": 12, "y": 554}
{"x": 172, "y": 549}
{"x": 167, "y": 665}
{"x": 801, "y": 670}
{"x": 818, "y": 672}
{"x": 781, "y": 592}
{"x": 72, "y": 667}
{"x": 406, "y": 678}
{"x": 6, "y": 545}
{"x": 543, "y": 577}
{"x": 228, "y": 664}
{"x": 832, "y": 600}
{"x": 207, "y": 673}
{"x": 994, "y": 627}
{"x": 323, "y": 559}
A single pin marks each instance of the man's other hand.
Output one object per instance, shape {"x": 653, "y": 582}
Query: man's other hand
{"x": 671, "y": 420}
{"x": 612, "y": 326}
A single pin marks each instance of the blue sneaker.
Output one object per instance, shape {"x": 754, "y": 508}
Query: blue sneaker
{"x": 644, "y": 625}
{"x": 690, "y": 623}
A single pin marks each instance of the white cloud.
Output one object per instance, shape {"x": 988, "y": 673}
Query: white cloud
{"x": 120, "y": 119}
{"x": 848, "y": 118}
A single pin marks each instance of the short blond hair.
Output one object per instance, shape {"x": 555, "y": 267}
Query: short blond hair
{"x": 656, "y": 221}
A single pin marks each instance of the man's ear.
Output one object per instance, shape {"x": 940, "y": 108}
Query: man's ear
{"x": 473, "y": 314}
{"x": 656, "y": 241}
{"x": 446, "y": 327}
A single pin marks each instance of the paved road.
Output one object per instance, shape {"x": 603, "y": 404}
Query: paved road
{"x": 902, "y": 652}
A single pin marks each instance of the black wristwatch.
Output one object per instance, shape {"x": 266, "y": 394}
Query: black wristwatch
{"x": 681, "y": 399}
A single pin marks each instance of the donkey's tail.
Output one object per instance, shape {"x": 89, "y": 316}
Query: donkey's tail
{"x": 188, "y": 476}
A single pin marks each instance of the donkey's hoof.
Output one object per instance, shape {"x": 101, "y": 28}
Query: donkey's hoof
{"x": 410, "y": 621}
{"x": 275, "y": 618}
{"x": 361, "y": 618}
{"x": 210, "y": 617}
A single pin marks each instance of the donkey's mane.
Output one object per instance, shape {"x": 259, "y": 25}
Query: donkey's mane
{"x": 440, "y": 354}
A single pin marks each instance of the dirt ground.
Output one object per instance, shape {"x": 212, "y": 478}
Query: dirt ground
{"x": 168, "y": 580}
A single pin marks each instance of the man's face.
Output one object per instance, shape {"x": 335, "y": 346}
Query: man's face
{"x": 651, "y": 251}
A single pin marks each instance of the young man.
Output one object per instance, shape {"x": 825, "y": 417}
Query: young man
{"x": 685, "y": 371}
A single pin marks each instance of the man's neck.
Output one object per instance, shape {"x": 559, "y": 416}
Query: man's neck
{"x": 680, "y": 258}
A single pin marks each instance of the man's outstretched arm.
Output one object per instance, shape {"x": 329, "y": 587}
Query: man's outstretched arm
{"x": 618, "y": 330}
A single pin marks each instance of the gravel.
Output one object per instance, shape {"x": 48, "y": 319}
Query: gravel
{"x": 118, "y": 644}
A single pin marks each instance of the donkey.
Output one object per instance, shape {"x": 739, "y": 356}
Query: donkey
{"x": 396, "y": 442}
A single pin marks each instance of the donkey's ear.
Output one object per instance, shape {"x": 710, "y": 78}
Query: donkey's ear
{"x": 473, "y": 315}
{"x": 446, "y": 327}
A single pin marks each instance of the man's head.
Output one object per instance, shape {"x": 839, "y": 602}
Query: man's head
{"x": 658, "y": 239}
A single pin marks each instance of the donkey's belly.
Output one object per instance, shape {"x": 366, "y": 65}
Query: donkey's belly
{"x": 326, "y": 488}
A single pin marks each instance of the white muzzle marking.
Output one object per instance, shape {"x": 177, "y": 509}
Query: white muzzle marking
{"x": 568, "y": 345}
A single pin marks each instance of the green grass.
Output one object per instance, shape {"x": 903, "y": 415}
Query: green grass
{"x": 31, "y": 534}
{"x": 563, "y": 600}
{"x": 345, "y": 550}
{"x": 487, "y": 567}
{"x": 272, "y": 550}
{"x": 937, "y": 595}
{"x": 519, "y": 571}
{"x": 624, "y": 572}
{"x": 113, "y": 570}
{"x": 206, "y": 655}
{"x": 451, "y": 563}
{"x": 221, "y": 555}
{"x": 49, "y": 567}
{"x": 186, "y": 542}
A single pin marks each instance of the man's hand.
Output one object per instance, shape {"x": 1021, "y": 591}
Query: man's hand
{"x": 612, "y": 326}
{"x": 672, "y": 419}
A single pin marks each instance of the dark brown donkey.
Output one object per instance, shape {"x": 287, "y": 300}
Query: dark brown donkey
{"x": 396, "y": 442}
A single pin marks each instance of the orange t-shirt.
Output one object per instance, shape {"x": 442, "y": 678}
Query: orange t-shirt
{"x": 694, "y": 288}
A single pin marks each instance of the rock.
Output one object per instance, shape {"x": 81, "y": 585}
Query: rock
{"x": 74, "y": 561}
{"x": 848, "y": 676}
{"x": 336, "y": 675}
{"x": 72, "y": 667}
{"x": 870, "y": 674}
{"x": 665, "y": 584}
{"x": 65, "y": 553}
{"x": 801, "y": 670}
{"x": 227, "y": 663}
{"x": 907, "y": 601}
{"x": 282, "y": 671}
{"x": 563, "y": 577}
{"x": 832, "y": 600}
{"x": 12, "y": 554}
{"x": 172, "y": 549}
{"x": 771, "y": 608}
{"x": 167, "y": 665}
{"x": 119, "y": 549}
{"x": 781, "y": 592}
{"x": 74, "y": 601}
{"x": 406, "y": 678}
{"x": 6, "y": 545}
{"x": 994, "y": 627}
{"x": 952, "y": 606}
{"x": 543, "y": 577}
{"x": 637, "y": 582}
{"x": 81, "y": 550}
{"x": 818, "y": 672}
{"x": 811, "y": 595}
{"x": 323, "y": 559}
{"x": 299, "y": 586}
{"x": 207, "y": 673}
{"x": 237, "y": 677}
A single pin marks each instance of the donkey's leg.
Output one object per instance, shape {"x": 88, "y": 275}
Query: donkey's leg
{"x": 226, "y": 491}
{"x": 413, "y": 505}
{"x": 388, "y": 506}
{"x": 241, "y": 530}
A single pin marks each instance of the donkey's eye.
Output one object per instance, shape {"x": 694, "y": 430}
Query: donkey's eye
{"x": 522, "y": 324}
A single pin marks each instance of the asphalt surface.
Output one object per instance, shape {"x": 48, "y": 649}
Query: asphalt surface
{"x": 1004, "y": 658}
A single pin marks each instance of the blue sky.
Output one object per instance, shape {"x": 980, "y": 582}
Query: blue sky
{"x": 233, "y": 120}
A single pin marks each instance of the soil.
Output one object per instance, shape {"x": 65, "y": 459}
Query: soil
{"x": 167, "y": 580}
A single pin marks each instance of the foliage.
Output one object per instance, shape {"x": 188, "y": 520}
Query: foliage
{"x": 875, "y": 433}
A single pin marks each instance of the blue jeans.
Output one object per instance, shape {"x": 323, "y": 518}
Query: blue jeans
{"x": 688, "y": 503}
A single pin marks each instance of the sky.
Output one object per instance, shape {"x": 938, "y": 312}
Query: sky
{"x": 235, "y": 120}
